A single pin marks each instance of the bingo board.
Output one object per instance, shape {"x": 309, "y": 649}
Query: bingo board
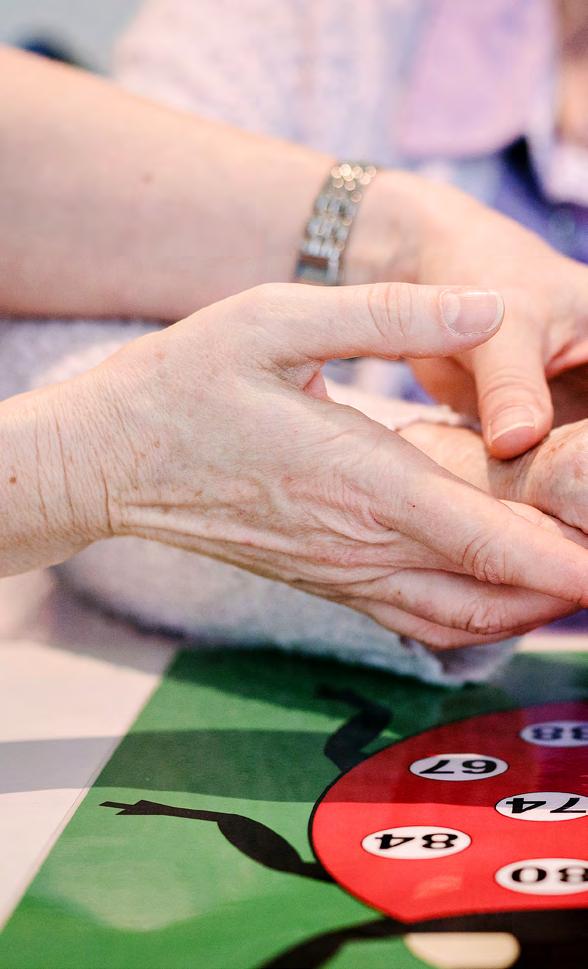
{"x": 275, "y": 812}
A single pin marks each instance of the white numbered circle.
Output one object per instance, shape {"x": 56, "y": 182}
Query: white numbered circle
{"x": 543, "y": 806}
{"x": 458, "y": 767}
{"x": 557, "y": 733}
{"x": 545, "y": 876}
{"x": 416, "y": 842}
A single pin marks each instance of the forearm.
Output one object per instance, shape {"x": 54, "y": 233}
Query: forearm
{"x": 53, "y": 498}
{"x": 111, "y": 205}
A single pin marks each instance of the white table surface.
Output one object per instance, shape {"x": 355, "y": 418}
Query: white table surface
{"x": 71, "y": 683}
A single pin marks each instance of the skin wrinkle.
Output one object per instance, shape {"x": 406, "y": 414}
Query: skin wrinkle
{"x": 116, "y": 414}
{"x": 38, "y": 465}
{"x": 478, "y": 618}
{"x": 357, "y": 524}
{"x": 501, "y": 381}
{"x": 386, "y": 314}
{"x": 235, "y": 495}
{"x": 65, "y": 476}
{"x": 485, "y": 559}
{"x": 107, "y": 500}
{"x": 213, "y": 531}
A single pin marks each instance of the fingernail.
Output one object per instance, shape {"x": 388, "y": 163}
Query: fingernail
{"x": 477, "y": 311}
{"x": 511, "y": 419}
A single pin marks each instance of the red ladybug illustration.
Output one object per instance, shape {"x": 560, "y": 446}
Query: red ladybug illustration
{"x": 473, "y": 826}
{"x": 478, "y": 816}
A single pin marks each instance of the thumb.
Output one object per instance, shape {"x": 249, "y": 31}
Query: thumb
{"x": 514, "y": 400}
{"x": 300, "y": 324}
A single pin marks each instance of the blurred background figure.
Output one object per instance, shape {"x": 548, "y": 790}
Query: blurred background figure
{"x": 490, "y": 96}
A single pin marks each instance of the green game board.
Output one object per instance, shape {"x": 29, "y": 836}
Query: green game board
{"x": 237, "y": 734}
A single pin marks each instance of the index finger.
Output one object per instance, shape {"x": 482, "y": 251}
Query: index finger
{"x": 514, "y": 400}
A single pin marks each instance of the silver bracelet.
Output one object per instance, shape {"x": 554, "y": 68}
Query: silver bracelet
{"x": 320, "y": 258}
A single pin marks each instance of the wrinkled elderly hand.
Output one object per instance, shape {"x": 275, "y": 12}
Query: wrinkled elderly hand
{"x": 545, "y": 330}
{"x": 217, "y": 436}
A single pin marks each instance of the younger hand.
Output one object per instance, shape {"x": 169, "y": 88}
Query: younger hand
{"x": 507, "y": 382}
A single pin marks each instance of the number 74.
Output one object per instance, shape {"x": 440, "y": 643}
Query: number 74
{"x": 521, "y": 804}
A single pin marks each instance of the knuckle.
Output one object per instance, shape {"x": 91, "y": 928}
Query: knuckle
{"x": 390, "y": 308}
{"x": 499, "y": 382}
{"x": 485, "y": 557}
{"x": 482, "y": 618}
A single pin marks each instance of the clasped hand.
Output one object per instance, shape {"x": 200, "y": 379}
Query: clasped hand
{"x": 217, "y": 435}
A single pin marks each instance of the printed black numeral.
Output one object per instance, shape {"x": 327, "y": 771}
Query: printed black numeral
{"x": 567, "y": 807}
{"x": 575, "y": 874}
{"x": 437, "y": 768}
{"x": 479, "y": 766}
{"x": 547, "y": 733}
{"x": 523, "y": 875}
{"x": 390, "y": 840}
{"x": 439, "y": 840}
{"x": 520, "y": 805}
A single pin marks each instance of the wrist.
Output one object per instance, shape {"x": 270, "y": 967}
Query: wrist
{"x": 385, "y": 240}
{"x": 84, "y": 455}
{"x": 51, "y": 495}
{"x": 402, "y": 215}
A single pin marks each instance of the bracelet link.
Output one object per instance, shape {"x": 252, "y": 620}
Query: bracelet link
{"x": 320, "y": 258}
